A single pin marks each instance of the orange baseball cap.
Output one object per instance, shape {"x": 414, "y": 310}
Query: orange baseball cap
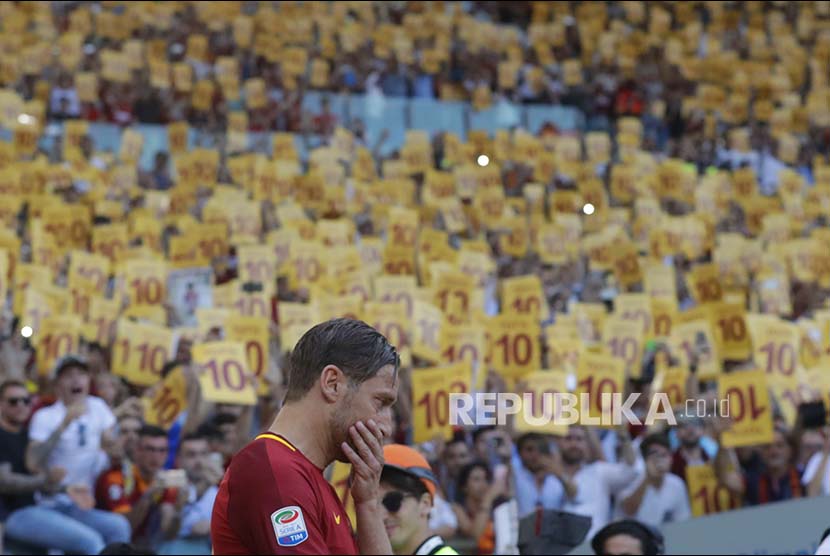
{"x": 408, "y": 460}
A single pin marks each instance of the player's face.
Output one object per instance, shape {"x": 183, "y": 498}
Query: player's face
{"x": 373, "y": 399}
{"x": 401, "y": 525}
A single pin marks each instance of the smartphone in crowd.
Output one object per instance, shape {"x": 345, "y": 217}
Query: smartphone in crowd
{"x": 173, "y": 478}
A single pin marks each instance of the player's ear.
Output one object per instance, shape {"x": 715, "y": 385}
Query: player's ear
{"x": 332, "y": 382}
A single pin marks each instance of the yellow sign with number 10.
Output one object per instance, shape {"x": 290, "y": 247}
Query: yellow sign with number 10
{"x": 141, "y": 351}
{"x": 253, "y": 333}
{"x": 225, "y": 377}
{"x": 431, "y": 389}
{"x": 706, "y": 496}
{"x": 749, "y": 408}
{"x": 59, "y": 335}
{"x": 167, "y": 402}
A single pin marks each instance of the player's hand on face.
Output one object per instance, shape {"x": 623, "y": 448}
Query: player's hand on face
{"x": 366, "y": 458}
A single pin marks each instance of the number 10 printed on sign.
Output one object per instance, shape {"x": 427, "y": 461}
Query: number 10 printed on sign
{"x": 224, "y": 374}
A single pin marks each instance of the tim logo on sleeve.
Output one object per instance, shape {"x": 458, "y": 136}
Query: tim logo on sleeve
{"x": 289, "y": 526}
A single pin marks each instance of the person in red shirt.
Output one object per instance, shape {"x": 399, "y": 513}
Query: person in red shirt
{"x": 141, "y": 492}
{"x": 274, "y": 499}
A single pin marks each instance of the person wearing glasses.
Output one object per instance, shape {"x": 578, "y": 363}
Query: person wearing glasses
{"x": 152, "y": 499}
{"x": 407, "y": 491}
{"x": 37, "y": 526}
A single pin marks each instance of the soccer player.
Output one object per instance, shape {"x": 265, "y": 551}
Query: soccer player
{"x": 407, "y": 490}
{"x": 274, "y": 499}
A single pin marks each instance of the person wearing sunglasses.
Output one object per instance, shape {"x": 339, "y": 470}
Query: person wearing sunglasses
{"x": 28, "y": 525}
{"x": 75, "y": 433}
{"x": 407, "y": 491}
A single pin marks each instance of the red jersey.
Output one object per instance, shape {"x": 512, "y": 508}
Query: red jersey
{"x": 273, "y": 500}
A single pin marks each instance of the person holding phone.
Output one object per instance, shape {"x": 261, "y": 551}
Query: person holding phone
{"x": 151, "y": 498}
{"x": 203, "y": 473}
{"x": 274, "y": 499}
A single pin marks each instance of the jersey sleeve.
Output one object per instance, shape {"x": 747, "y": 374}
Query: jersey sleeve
{"x": 274, "y": 510}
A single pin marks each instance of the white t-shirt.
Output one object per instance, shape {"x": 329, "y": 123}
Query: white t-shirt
{"x": 79, "y": 448}
{"x": 812, "y": 469}
{"x": 669, "y": 503}
{"x": 595, "y": 484}
{"x": 441, "y": 515}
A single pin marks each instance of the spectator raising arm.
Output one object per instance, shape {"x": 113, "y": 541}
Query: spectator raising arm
{"x": 594, "y": 446}
{"x": 198, "y": 408}
{"x": 631, "y": 504}
{"x": 626, "y": 449}
{"x": 553, "y": 465}
{"x": 727, "y": 468}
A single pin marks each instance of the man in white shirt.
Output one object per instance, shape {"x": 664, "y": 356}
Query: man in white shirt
{"x": 538, "y": 476}
{"x": 596, "y": 482}
{"x": 657, "y": 496}
{"x": 70, "y": 434}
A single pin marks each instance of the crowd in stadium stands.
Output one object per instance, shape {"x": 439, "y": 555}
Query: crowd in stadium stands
{"x": 691, "y": 213}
